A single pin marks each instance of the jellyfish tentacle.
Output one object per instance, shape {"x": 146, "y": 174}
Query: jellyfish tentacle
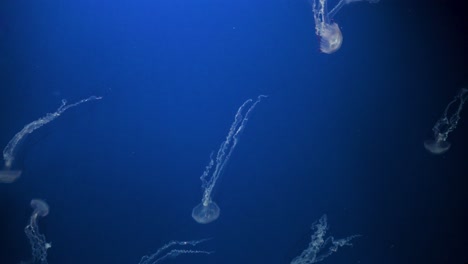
{"x": 158, "y": 257}
{"x": 315, "y": 252}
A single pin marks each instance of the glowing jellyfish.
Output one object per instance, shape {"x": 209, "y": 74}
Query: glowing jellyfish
{"x": 158, "y": 255}
{"x": 7, "y": 175}
{"x": 39, "y": 246}
{"x": 445, "y": 125}
{"x": 329, "y": 32}
{"x": 208, "y": 211}
{"x": 314, "y": 252}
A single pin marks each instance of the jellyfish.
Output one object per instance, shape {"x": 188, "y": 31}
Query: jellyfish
{"x": 314, "y": 252}
{"x": 158, "y": 257}
{"x": 39, "y": 246}
{"x": 329, "y": 32}
{"x": 208, "y": 211}
{"x": 7, "y": 175}
{"x": 40, "y": 207}
{"x": 445, "y": 125}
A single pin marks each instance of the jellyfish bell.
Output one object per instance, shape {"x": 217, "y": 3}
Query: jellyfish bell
{"x": 331, "y": 38}
{"x": 41, "y": 208}
{"x": 437, "y": 146}
{"x": 206, "y": 213}
{"x": 9, "y": 176}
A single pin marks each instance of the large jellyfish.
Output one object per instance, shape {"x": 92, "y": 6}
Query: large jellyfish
{"x": 208, "y": 211}
{"x": 313, "y": 254}
{"x": 446, "y": 124}
{"x": 39, "y": 246}
{"x": 7, "y": 175}
{"x": 329, "y": 32}
{"x": 158, "y": 255}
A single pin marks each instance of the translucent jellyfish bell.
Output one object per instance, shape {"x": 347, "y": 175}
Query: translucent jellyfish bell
{"x": 329, "y": 32}
{"x": 446, "y": 124}
{"x": 9, "y": 176}
{"x": 40, "y": 207}
{"x": 436, "y": 146}
{"x": 205, "y": 214}
{"x": 331, "y": 38}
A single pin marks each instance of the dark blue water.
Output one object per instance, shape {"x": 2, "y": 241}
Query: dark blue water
{"x": 340, "y": 134}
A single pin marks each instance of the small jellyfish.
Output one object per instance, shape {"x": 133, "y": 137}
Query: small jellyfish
{"x": 313, "y": 253}
{"x": 208, "y": 211}
{"x": 39, "y": 246}
{"x": 158, "y": 257}
{"x": 445, "y": 125}
{"x": 329, "y": 32}
{"x": 7, "y": 175}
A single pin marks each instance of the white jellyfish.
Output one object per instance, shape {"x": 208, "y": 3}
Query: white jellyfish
{"x": 39, "y": 246}
{"x": 208, "y": 211}
{"x": 158, "y": 255}
{"x": 329, "y": 32}
{"x": 7, "y": 175}
{"x": 314, "y": 252}
{"x": 445, "y": 125}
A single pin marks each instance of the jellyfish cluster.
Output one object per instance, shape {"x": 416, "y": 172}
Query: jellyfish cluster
{"x": 207, "y": 210}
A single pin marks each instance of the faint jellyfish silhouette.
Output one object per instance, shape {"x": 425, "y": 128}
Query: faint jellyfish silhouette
{"x": 7, "y": 175}
{"x": 208, "y": 211}
{"x": 317, "y": 243}
{"x": 37, "y": 240}
{"x": 445, "y": 125}
{"x": 329, "y": 32}
{"x": 158, "y": 255}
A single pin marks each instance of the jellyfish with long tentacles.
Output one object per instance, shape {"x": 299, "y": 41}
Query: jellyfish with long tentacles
{"x": 39, "y": 245}
{"x": 7, "y": 175}
{"x": 208, "y": 211}
{"x": 163, "y": 253}
{"x": 315, "y": 251}
{"x": 446, "y": 124}
{"x": 329, "y": 32}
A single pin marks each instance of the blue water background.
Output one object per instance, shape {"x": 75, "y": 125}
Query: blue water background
{"x": 340, "y": 134}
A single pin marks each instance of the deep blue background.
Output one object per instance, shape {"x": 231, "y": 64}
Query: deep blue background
{"x": 340, "y": 134}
